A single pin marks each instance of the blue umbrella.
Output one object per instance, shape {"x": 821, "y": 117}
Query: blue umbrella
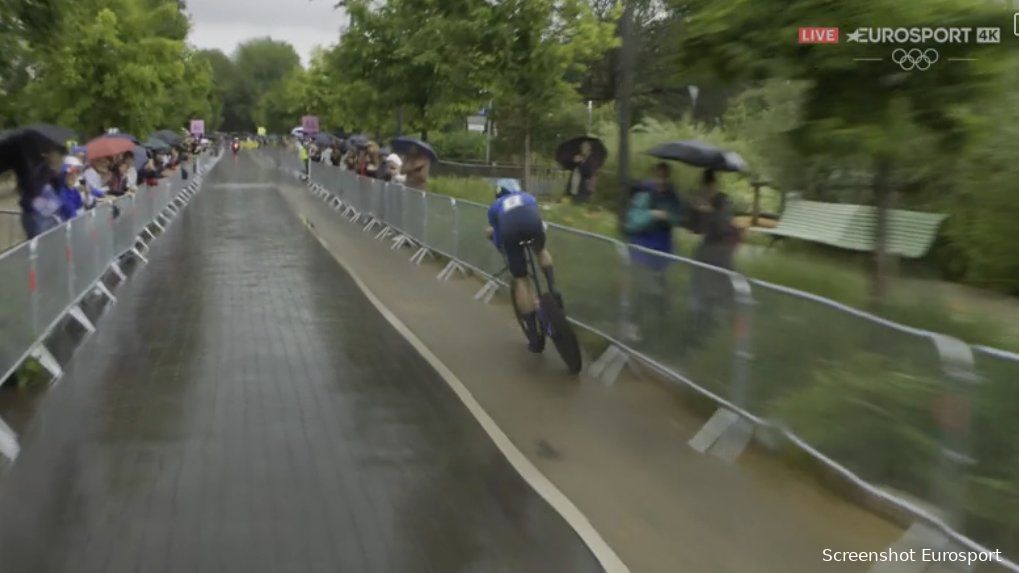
{"x": 403, "y": 146}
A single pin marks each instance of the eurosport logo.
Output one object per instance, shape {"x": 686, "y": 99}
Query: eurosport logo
{"x": 911, "y": 36}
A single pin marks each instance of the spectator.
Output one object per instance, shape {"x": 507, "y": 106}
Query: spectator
{"x": 584, "y": 173}
{"x": 654, "y": 209}
{"x": 372, "y": 161}
{"x": 711, "y": 289}
{"x": 39, "y": 201}
{"x": 416, "y": 167}
{"x": 97, "y": 178}
{"x": 391, "y": 170}
{"x": 714, "y": 222}
{"x": 70, "y": 189}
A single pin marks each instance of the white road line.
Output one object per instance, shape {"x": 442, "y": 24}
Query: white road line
{"x": 8, "y": 442}
{"x": 608, "y": 559}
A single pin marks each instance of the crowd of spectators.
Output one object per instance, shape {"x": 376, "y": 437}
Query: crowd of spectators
{"x": 368, "y": 159}
{"x": 57, "y": 181}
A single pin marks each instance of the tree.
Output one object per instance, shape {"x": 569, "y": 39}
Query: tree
{"x": 537, "y": 44}
{"x": 259, "y": 65}
{"x": 850, "y": 108}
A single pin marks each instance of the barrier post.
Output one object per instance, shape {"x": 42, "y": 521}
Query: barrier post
{"x": 953, "y": 412}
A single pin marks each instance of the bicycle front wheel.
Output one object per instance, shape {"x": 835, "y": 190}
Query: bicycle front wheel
{"x": 565, "y": 340}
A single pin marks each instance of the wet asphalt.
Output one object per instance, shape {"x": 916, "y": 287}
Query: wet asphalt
{"x": 245, "y": 408}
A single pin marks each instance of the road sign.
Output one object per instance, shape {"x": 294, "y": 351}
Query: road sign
{"x": 310, "y": 124}
{"x": 197, "y": 127}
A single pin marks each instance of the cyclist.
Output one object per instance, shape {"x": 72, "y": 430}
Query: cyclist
{"x": 236, "y": 145}
{"x": 515, "y": 219}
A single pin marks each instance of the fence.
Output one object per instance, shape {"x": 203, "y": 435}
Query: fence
{"x": 919, "y": 421}
{"x": 46, "y": 278}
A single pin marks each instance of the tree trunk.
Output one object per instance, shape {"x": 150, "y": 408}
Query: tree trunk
{"x": 399, "y": 121}
{"x": 624, "y": 87}
{"x": 882, "y": 260}
{"x": 527, "y": 155}
{"x": 424, "y": 135}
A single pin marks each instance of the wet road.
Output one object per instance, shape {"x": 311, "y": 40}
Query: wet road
{"x": 245, "y": 408}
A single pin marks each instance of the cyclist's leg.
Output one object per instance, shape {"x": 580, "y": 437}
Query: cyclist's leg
{"x": 516, "y": 260}
{"x": 545, "y": 260}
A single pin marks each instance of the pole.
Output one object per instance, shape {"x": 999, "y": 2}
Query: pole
{"x": 590, "y": 116}
{"x": 624, "y": 71}
{"x": 488, "y": 134}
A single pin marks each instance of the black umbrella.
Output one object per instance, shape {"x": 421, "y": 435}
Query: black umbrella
{"x": 325, "y": 139}
{"x": 404, "y": 144}
{"x": 356, "y": 141}
{"x": 567, "y": 152}
{"x": 168, "y": 136}
{"x": 157, "y": 144}
{"x": 20, "y": 148}
{"x": 700, "y": 154}
{"x": 55, "y": 134}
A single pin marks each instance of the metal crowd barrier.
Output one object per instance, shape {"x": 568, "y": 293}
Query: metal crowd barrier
{"x": 904, "y": 414}
{"x": 46, "y": 278}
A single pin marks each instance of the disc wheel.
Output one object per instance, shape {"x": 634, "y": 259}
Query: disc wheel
{"x": 562, "y": 334}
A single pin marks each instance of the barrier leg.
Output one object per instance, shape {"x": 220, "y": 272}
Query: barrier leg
{"x": 487, "y": 292}
{"x": 450, "y": 269}
{"x": 115, "y": 267}
{"x": 79, "y": 315}
{"x": 384, "y": 233}
{"x": 102, "y": 289}
{"x": 44, "y": 358}
{"x": 724, "y": 436}
{"x": 401, "y": 241}
{"x": 372, "y": 223}
{"x": 8, "y": 442}
{"x": 608, "y": 366}
{"x": 137, "y": 253}
{"x": 420, "y": 255}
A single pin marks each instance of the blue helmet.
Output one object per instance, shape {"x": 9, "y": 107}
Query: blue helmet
{"x": 507, "y": 187}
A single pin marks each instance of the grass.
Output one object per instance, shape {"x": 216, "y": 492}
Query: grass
{"x": 823, "y": 271}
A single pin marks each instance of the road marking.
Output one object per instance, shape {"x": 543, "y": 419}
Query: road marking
{"x": 8, "y": 442}
{"x": 605, "y": 555}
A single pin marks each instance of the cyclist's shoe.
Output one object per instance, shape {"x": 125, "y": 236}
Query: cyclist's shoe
{"x": 559, "y": 299}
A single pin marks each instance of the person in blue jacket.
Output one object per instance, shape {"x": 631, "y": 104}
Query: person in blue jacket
{"x": 654, "y": 209}
{"x": 68, "y": 189}
{"x": 515, "y": 222}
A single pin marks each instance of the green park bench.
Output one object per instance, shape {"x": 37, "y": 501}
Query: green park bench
{"x": 852, "y": 227}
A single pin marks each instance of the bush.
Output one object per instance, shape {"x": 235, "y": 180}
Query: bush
{"x": 459, "y": 145}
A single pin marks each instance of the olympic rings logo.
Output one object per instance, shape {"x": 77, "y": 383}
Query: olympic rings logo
{"x": 915, "y": 58}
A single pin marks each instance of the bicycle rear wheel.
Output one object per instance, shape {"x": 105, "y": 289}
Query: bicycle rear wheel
{"x": 563, "y": 337}
{"x": 535, "y": 336}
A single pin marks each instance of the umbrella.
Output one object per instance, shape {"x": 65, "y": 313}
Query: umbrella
{"x": 55, "y": 134}
{"x": 141, "y": 157}
{"x": 700, "y": 154}
{"x": 156, "y": 144}
{"x": 403, "y": 145}
{"x": 125, "y": 136}
{"x": 566, "y": 153}
{"x": 324, "y": 139}
{"x": 168, "y": 136}
{"x": 31, "y": 141}
{"x": 107, "y": 146}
